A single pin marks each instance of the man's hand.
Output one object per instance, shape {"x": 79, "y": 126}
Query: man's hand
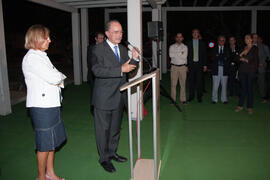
{"x": 127, "y": 67}
{"x": 135, "y": 53}
{"x": 204, "y": 69}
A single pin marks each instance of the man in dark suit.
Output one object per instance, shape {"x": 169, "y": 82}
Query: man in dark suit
{"x": 110, "y": 67}
{"x": 197, "y": 59}
{"x": 262, "y": 64}
{"x": 233, "y": 83}
{"x": 99, "y": 38}
{"x": 220, "y": 70}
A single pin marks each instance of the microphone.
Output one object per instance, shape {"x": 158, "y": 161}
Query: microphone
{"x": 132, "y": 61}
{"x": 136, "y": 49}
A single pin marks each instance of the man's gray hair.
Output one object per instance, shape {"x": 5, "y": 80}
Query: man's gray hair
{"x": 221, "y": 36}
{"x": 108, "y": 24}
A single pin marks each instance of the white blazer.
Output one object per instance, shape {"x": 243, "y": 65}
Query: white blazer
{"x": 42, "y": 80}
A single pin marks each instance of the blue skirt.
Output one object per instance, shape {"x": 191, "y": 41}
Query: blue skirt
{"x": 49, "y": 128}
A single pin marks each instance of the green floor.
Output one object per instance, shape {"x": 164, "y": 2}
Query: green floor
{"x": 204, "y": 142}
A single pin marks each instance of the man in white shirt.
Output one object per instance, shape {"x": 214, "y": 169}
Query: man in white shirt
{"x": 178, "y": 54}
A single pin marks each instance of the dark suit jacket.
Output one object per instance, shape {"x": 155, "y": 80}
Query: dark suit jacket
{"x": 108, "y": 78}
{"x": 234, "y": 56}
{"x": 253, "y": 61}
{"x": 202, "y": 54}
{"x": 226, "y": 60}
{"x": 90, "y": 76}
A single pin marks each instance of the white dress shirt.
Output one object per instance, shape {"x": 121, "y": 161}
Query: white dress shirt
{"x": 220, "y": 49}
{"x": 112, "y": 47}
{"x": 42, "y": 79}
{"x": 178, "y": 54}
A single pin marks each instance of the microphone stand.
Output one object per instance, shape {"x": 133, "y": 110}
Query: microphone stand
{"x": 145, "y": 59}
{"x": 163, "y": 91}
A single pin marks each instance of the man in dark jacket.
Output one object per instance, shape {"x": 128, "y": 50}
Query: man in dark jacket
{"x": 233, "y": 82}
{"x": 197, "y": 60}
{"x": 220, "y": 70}
{"x": 99, "y": 38}
{"x": 110, "y": 67}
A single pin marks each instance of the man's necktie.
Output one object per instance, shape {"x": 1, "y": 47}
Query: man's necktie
{"x": 220, "y": 61}
{"x": 221, "y": 50}
{"x": 195, "y": 51}
{"x": 116, "y": 52}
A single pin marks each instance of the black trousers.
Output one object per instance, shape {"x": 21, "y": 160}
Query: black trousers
{"x": 107, "y": 126}
{"x": 233, "y": 83}
{"x": 268, "y": 85}
{"x": 195, "y": 81}
{"x": 246, "y": 81}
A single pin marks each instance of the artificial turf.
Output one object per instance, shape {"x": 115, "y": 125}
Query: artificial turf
{"x": 203, "y": 142}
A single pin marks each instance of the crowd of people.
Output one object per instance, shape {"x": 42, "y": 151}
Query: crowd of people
{"x": 234, "y": 68}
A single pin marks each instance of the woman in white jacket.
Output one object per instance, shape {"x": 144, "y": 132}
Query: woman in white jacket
{"x": 44, "y": 83}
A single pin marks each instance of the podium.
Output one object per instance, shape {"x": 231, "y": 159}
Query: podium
{"x": 145, "y": 169}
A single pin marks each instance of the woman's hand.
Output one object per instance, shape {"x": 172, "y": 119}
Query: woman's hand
{"x": 61, "y": 84}
{"x": 244, "y": 52}
{"x": 244, "y": 60}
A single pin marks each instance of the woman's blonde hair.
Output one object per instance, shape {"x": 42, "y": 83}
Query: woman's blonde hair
{"x": 35, "y": 36}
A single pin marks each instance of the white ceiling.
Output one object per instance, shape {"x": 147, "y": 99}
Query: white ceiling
{"x": 102, "y": 3}
{"x": 168, "y": 3}
{"x": 74, "y": 5}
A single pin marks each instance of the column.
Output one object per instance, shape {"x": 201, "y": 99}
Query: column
{"x": 154, "y": 43}
{"x": 85, "y": 41}
{"x": 164, "y": 42}
{"x": 5, "y": 107}
{"x": 254, "y": 21}
{"x": 77, "y": 66}
{"x": 134, "y": 20}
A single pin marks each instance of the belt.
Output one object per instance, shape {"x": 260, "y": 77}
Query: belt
{"x": 178, "y": 65}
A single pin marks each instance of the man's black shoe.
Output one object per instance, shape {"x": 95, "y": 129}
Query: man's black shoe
{"x": 108, "y": 166}
{"x": 225, "y": 102}
{"x": 118, "y": 158}
{"x": 213, "y": 102}
{"x": 190, "y": 99}
{"x": 200, "y": 100}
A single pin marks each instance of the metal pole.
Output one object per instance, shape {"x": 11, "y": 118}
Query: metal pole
{"x": 130, "y": 134}
{"x": 139, "y": 121}
{"x": 155, "y": 125}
